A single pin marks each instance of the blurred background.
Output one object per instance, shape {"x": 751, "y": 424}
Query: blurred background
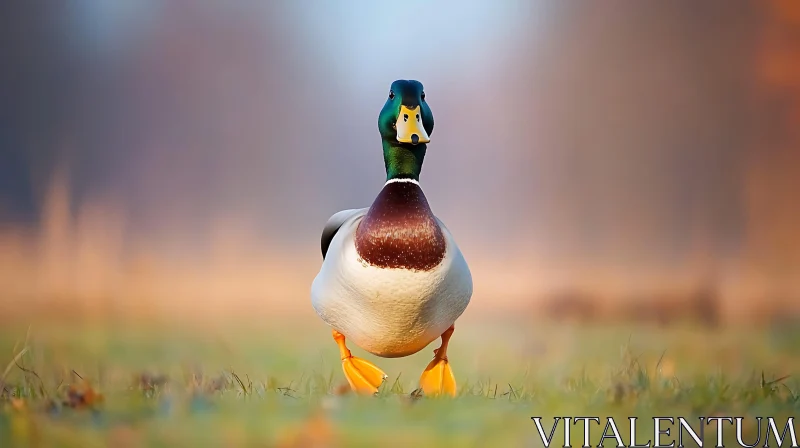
{"x": 593, "y": 163}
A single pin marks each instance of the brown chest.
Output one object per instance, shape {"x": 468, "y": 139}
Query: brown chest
{"x": 400, "y": 230}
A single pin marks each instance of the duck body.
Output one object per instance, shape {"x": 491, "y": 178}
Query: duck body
{"x": 392, "y": 279}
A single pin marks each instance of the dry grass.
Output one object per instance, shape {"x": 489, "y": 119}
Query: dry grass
{"x": 138, "y": 384}
{"x": 702, "y": 306}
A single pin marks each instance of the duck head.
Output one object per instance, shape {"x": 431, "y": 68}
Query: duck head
{"x": 406, "y": 125}
{"x": 406, "y": 117}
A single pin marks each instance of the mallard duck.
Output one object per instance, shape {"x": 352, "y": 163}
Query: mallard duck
{"x": 393, "y": 279}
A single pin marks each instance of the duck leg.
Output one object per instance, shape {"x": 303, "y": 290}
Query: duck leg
{"x": 363, "y": 376}
{"x": 438, "y": 376}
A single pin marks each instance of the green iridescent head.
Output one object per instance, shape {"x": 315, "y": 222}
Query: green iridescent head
{"x": 406, "y": 125}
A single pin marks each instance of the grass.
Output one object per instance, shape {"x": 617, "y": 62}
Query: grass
{"x": 280, "y": 384}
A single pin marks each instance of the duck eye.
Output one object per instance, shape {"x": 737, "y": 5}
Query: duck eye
{"x": 423, "y": 96}
{"x": 391, "y": 94}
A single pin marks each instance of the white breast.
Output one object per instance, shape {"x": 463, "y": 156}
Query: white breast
{"x": 389, "y": 312}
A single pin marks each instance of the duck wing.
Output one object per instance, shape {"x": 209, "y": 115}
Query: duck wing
{"x": 334, "y": 223}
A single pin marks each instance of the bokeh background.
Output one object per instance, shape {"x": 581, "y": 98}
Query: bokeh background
{"x": 593, "y": 162}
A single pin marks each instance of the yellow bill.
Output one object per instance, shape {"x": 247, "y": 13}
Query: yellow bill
{"x": 409, "y": 126}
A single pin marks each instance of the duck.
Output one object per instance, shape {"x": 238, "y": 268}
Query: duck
{"x": 392, "y": 279}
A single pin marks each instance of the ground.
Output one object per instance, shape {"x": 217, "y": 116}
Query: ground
{"x": 279, "y": 383}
